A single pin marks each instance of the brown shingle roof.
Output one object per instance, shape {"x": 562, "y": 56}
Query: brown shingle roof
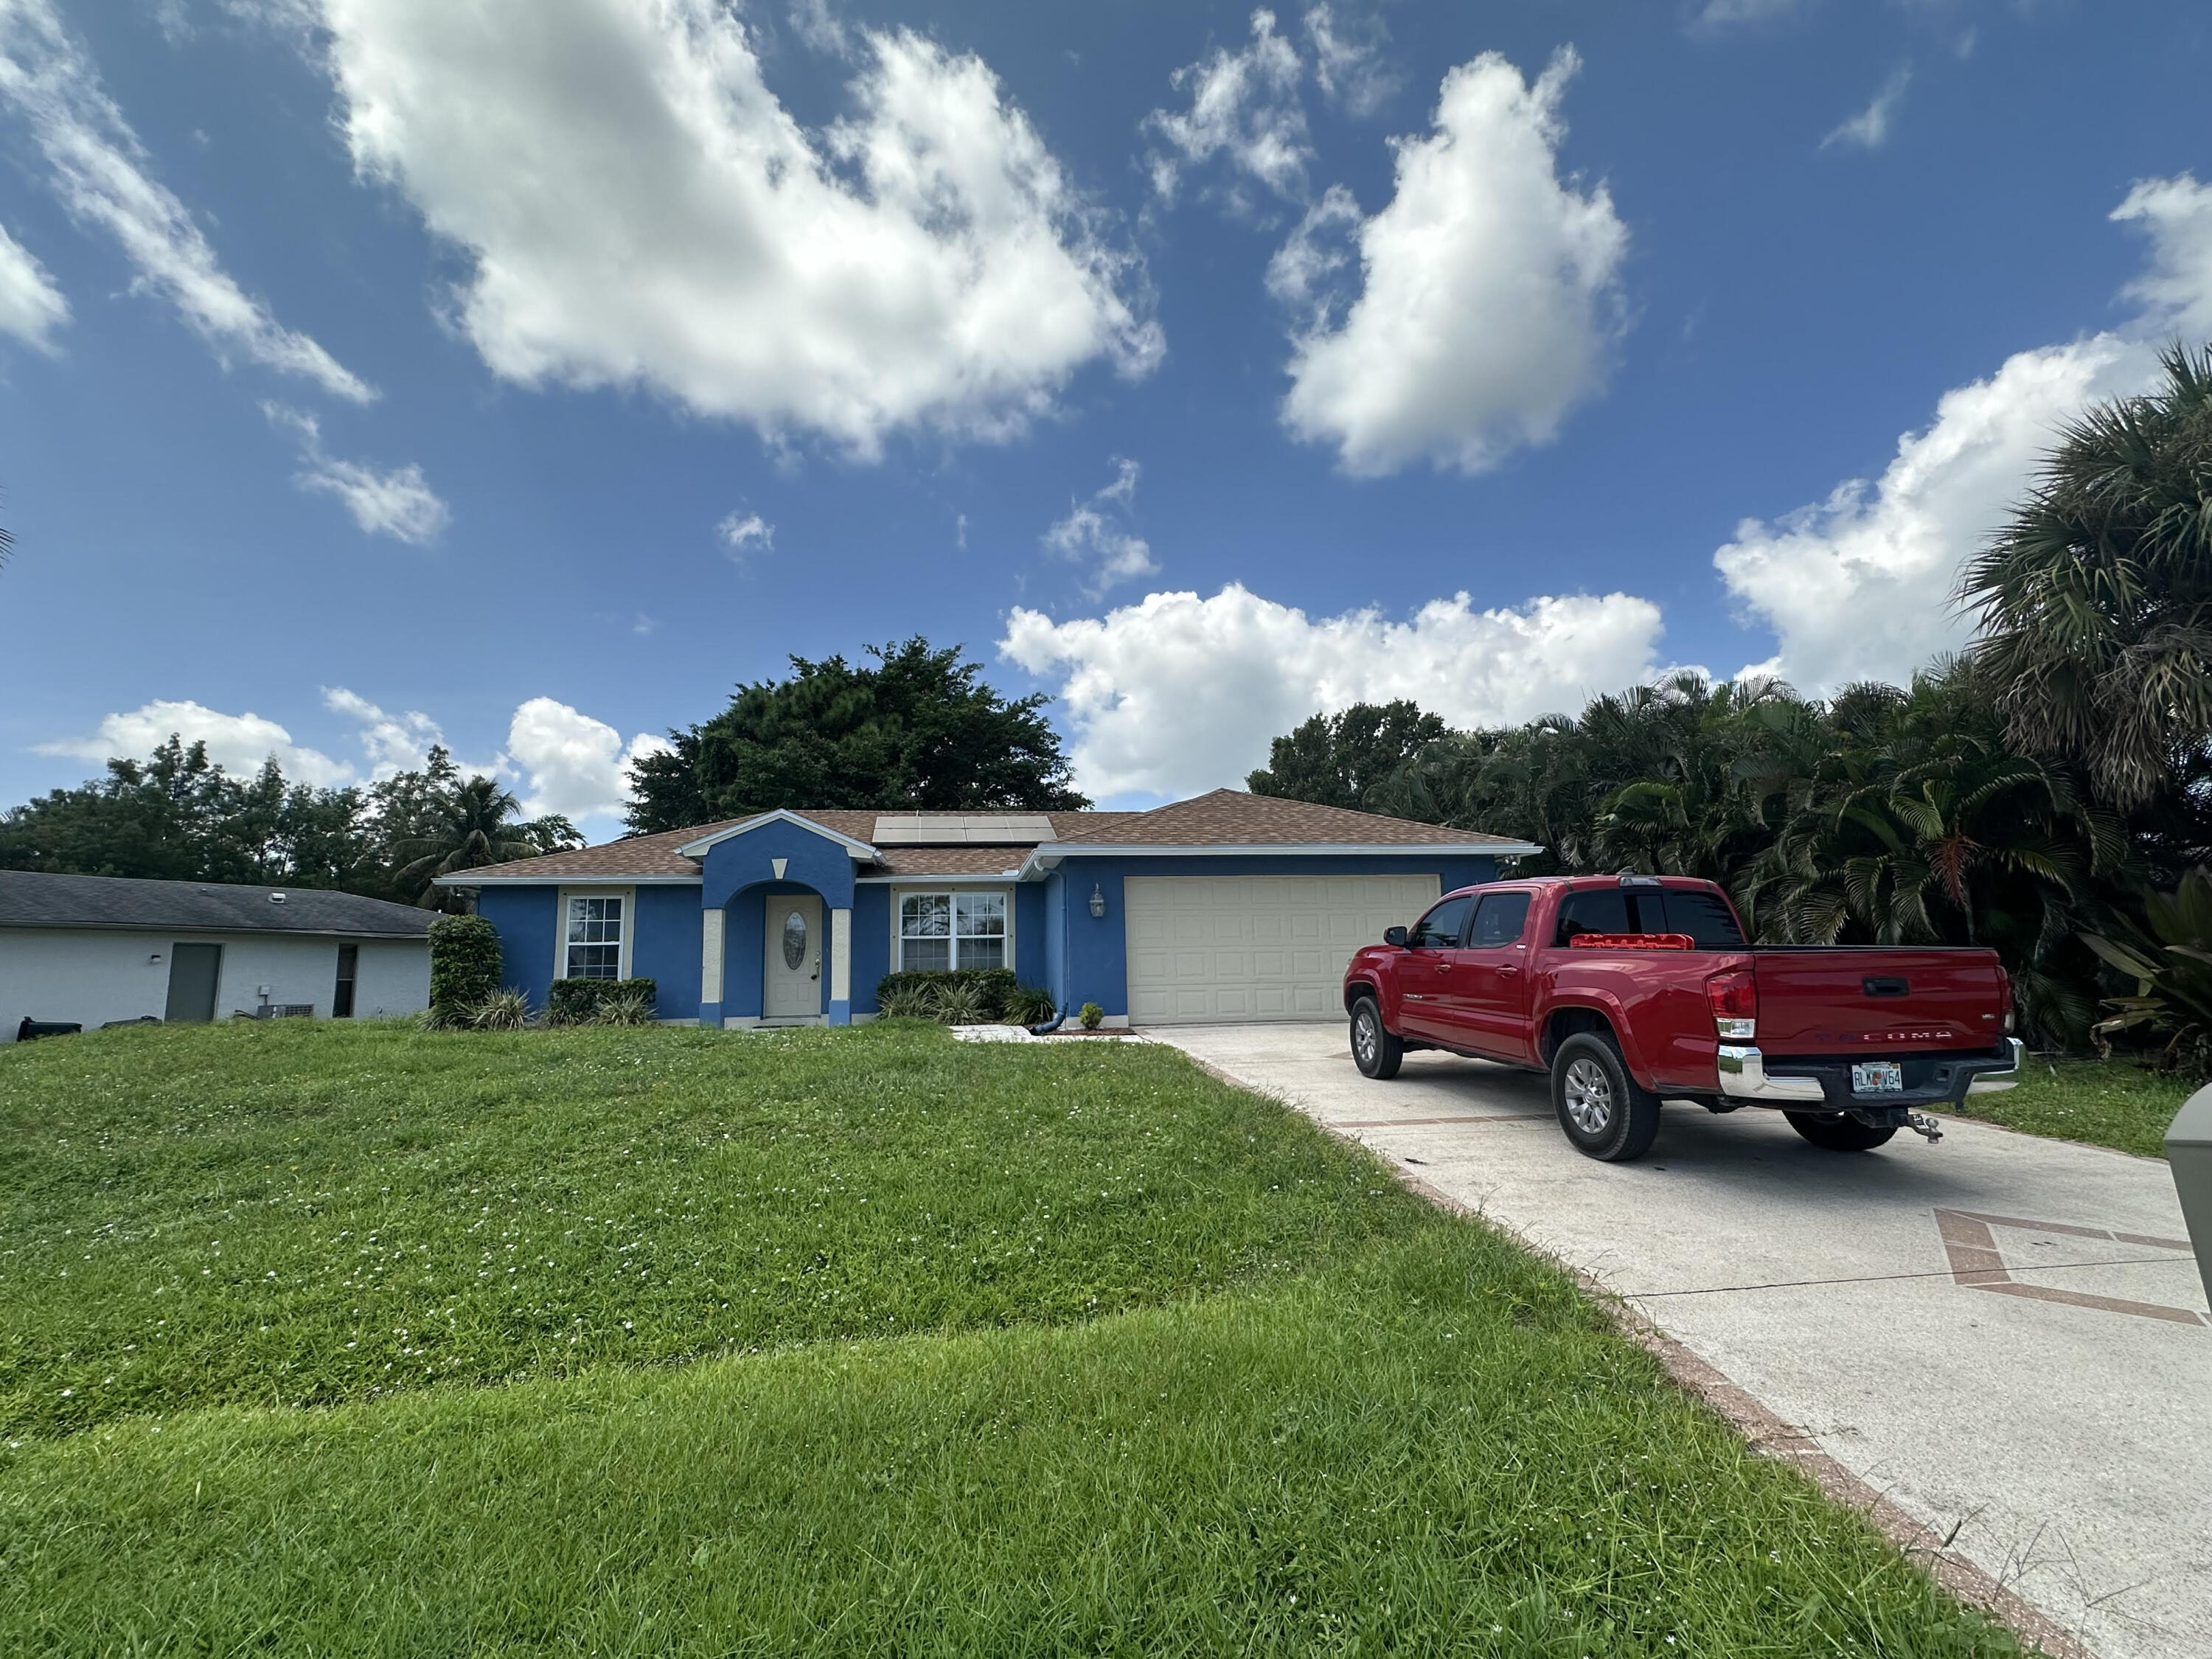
{"x": 1230, "y": 817}
{"x": 1227, "y": 818}
{"x": 948, "y": 860}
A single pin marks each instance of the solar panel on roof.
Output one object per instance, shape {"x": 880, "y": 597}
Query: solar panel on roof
{"x": 961, "y": 829}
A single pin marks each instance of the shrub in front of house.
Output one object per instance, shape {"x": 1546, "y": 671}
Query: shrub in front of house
{"x": 503, "y": 1011}
{"x": 1091, "y": 1016}
{"x": 625, "y": 1008}
{"x": 1029, "y": 1005}
{"x": 578, "y": 1001}
{"x": 922, "y": 994}
{"x": 465, "y": 964}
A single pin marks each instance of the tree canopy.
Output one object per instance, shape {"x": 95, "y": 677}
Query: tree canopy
{"x": 1887, "y": 815}
{"x": 915, "y": 729}
{"x": 2096, "y": 598}
{"x": 1335, "y": 759}
{"x": 178, "y": 816}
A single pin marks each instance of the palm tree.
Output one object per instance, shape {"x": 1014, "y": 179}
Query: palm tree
{"x": 464, "y": 827}
{"x": 2096, "y": 599}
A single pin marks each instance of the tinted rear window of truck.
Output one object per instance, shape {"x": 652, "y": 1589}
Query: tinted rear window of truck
{"x": 1704, "y": 916}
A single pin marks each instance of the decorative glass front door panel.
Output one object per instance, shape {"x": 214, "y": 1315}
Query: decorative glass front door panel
{"x": 791, "y": 965}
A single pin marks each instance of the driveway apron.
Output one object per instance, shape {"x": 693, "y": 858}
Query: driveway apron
{"x": 2002, "y": 1334}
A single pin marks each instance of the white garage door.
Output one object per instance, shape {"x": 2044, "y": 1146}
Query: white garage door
{"x": 1221, "y": 948}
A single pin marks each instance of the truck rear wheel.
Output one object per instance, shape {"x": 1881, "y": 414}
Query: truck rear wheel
{"x": 1838, "y": 1132}
{"x": 1373, "y": 1050}
{"x": 1603, "y": 1112}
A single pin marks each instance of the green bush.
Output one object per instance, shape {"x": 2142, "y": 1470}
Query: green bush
{"x": 994, "y": 987}
{"x": 503, "y": 1011}
{"x": 623, "y": 1008}
{"x": 2171, "y": 966}
{"x": 1091, "y": 1016}
{"x": 1029, "y": 1005}
{"x": 962, "y": 1004}
{"x": 577, "y": 1001}
{"x": 464, "y": 967}
{"x": 907, "y": 1002}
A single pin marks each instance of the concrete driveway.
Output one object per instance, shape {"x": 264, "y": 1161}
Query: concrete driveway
{"x": 2001, "y": 1334}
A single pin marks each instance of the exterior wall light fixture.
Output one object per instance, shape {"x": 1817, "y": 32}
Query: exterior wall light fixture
{"x": 1097, "y": 901}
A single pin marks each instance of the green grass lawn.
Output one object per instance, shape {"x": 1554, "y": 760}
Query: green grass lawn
{"x": 2107, "y": 1103}
{"x": 826, "y": 1342}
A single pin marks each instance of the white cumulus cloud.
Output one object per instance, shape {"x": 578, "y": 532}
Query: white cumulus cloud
{"x": 398, "y": 503}
{"x": 99, "y": 171}
{"x": 569, "y": 761}
{"x": 638, "y": 209}
{"x": 1179, "y": 694}
{"x": 1487, "y": 301}
{"x": 1244, "y": 107}
{"x": 395, "y": 743}
{"x": 576, "y": 766}
{"x": 31, "y": 306}
{"x": 1860, "y": 585}
{"x": 1095, "y": 532}
{"x": 238, "y": 743}
{"x": 2176, "y": 290}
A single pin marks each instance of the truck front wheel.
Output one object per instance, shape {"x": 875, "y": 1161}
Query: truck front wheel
{"x": 1838, "y": 1132}
{"x": 1605, "y": 1114}
{"x": 1373, "y": 1050}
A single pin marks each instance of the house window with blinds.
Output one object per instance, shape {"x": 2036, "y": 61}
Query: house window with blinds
{"x": 938, "y": 931}
{"x": 593, "y": 946}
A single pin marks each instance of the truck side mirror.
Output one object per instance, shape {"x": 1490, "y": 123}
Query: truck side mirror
{"x": 1394, "y": 936}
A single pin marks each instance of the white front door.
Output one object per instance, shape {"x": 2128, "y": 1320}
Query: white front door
{"x": 791, "y": 972}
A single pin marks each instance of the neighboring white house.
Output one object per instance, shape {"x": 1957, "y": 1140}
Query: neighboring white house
{"x": 92, "y": 951}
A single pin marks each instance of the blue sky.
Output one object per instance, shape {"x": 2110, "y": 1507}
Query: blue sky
{"x": 528, "y": 372}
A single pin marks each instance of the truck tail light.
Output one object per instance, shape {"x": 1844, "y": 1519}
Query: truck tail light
{"x": 2004, "y": 998}
{"x": 1735, "y": 996}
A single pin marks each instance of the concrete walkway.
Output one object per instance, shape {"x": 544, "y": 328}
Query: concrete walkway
{"x": 2002, "y": 1334}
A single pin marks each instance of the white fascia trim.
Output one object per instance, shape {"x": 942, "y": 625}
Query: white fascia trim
{"x": 860, "y": 849}
{"x": 1046, "y": 858}
{"x": 998, "y": 880}
{"x": 570, "y": 881}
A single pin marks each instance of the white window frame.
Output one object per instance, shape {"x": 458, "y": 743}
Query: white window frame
{"x": 951, "y": 894}
{"x": 623, "y": 944}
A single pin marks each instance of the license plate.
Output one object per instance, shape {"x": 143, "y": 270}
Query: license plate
{"x": 1877, "y": 1077}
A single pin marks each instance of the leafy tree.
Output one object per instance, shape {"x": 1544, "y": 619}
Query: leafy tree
{"x": 1336, "y": 759}
{"x": 178, "y": 816}
{"x": 468, "y": 826}
{"x": 2096, "y": 598}
{"x": 915, "y": 730}
{"x": 1889, "y": 815}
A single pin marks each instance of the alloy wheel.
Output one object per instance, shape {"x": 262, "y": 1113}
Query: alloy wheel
{"x": 1588, "y": 1093}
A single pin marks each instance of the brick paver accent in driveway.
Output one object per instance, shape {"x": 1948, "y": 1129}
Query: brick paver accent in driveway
{"x": 2002, "y": 1334}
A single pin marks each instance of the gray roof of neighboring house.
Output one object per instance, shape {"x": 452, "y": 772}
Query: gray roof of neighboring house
{"x": 32, "y": 898}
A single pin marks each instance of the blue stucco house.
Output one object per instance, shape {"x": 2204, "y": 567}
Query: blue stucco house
{"x": 1229, "y": 907}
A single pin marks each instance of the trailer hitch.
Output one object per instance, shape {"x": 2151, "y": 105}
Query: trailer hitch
{"x": 1921, "y": 1124}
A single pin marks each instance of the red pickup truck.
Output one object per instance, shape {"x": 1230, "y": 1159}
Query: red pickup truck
{"x": 1632, "y": 989}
